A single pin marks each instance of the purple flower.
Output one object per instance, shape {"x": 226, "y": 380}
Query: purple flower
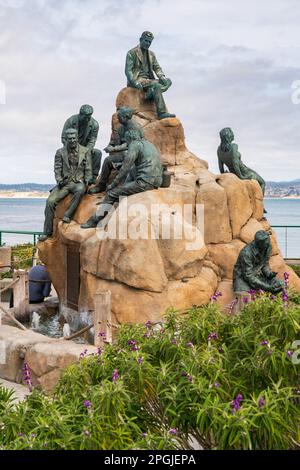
{"x": 144, "y": 434}
{"x": 147, "y": 334}
{"x": 115, "y": 375}
{"x": 253, "y": 293}
{"x": 33, "y": 436}
{"x": 232, "y": 305}
{"x": 212, "y": 336}
{"x": 261, "y": 402}
{"x": 220, "y": 349}
{"x": 46, "y": 444}
{"x": 102, "y": 335}
{"x": 290, "y": 353}
{"x": 86, "y": 433}
{"x": 27, "y": 376}
{"x": 285, "y": 297}
{"x": 162, "y": 330}
{"x": 189, "y": 344}
{"x": 172, "y": 431}
{"x": 245, "y": 300}
{"x": 83, "y": 354}
{"x": 140, "y": 360}
{"x": 286, "y": 279}
{"x": 236, "y": 403}
{"x": 87, "y": 404}
{"x": 131, "y": 342}
{"x": 264, "y": 343}
{"x": 215, "y": 296}
{"x": 173, "y": 341}
{"x": 216, "y": 384}
{"x": 183, "y": 374}
{"x": 20, "y": 434}
{"x": 148, "y": 324}
{"x": 190, "y": 378}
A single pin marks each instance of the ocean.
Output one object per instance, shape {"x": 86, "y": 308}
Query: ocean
{"x": 28, "y": 214}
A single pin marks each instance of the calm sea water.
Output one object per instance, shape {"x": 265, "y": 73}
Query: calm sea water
{"x": 28, "y": 214}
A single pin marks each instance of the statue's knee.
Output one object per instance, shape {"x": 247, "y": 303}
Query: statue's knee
{"x": 51, "y": 204}
{"x": 80, "y": 191}
{"x": 155, "y": 86}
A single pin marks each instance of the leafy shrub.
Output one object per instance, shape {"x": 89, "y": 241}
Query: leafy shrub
{"x": 226, "y": 382}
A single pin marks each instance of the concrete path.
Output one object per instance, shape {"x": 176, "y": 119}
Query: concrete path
{"x": 20, "y": 390}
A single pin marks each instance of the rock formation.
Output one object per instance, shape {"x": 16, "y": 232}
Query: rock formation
{"x": 147, "y": 276}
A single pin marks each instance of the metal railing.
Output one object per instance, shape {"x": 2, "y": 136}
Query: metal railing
{"x": 286, "y": 227}
{"x": 20, "y": 232}
{"x": 37, "y": 234}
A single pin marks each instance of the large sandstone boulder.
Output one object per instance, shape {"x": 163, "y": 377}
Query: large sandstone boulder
{"x": 157, "y": 249}
{"x": 217, "y": 227}
{"x": 167, "y": 134}
{"x": 239, "y": 202}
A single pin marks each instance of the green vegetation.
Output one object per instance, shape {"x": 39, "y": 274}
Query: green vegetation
{"x": 227, "y": 381}
{"x": 21, "y": 256}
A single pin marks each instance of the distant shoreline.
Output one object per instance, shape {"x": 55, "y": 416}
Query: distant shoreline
{"x": 44, "y": 195}
{"x": 284, "y": 197}
{"x": 23, "y": 195}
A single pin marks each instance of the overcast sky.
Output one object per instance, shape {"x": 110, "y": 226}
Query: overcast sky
{"x": 232, "y": 63}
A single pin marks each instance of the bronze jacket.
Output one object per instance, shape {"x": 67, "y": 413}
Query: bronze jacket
{"x": 134, "y": 62}
{"x": 91, "y": 133}
{"x": 83, "y": 172}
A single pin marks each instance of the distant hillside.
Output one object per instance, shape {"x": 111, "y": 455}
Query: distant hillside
{"x": 273, "y": 188}
{"x": 283, "y": 188}
{"x": 26, "y": 187}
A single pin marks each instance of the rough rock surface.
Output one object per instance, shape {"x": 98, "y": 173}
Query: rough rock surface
{"x": 150, "y": 274}
{"x": 46, "y": 357}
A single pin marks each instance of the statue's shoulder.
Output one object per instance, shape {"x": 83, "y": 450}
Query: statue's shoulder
{"x": 95, "y": 123}
{"x": 132, "y": 125}
{"x": 235, "y": 151}
{"x": 73, "y": 120}
{"x": 133, "y": 51}
{"x": 83, "y": 150}
{"x": 60, "y": 152}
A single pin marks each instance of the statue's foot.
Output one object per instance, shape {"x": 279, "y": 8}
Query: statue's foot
{"x": 44, "y": 237}
{"x": 89, "y": 224}
{"x": 166, "y": 115}
{"x": 66, "y": 219}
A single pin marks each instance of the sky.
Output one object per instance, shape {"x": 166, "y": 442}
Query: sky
{"x": 232, "y": 63}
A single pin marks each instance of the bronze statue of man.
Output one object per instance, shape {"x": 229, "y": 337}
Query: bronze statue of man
{"x": 252, "y": 270}
{"x": 141, "y": 70}
{"x": 73, "y": 172}
{"x": 141, "y": 171}
{"x": 229, "y": 155}
{"x": 87, "y": 128}
{"x": 117, "y": 148}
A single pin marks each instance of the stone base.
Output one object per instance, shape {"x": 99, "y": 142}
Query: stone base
{"x": 46, "y": 357}
{"x": 148, "y": 275}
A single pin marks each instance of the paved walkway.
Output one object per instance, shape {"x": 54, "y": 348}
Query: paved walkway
{"x": 20, "y": 390}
